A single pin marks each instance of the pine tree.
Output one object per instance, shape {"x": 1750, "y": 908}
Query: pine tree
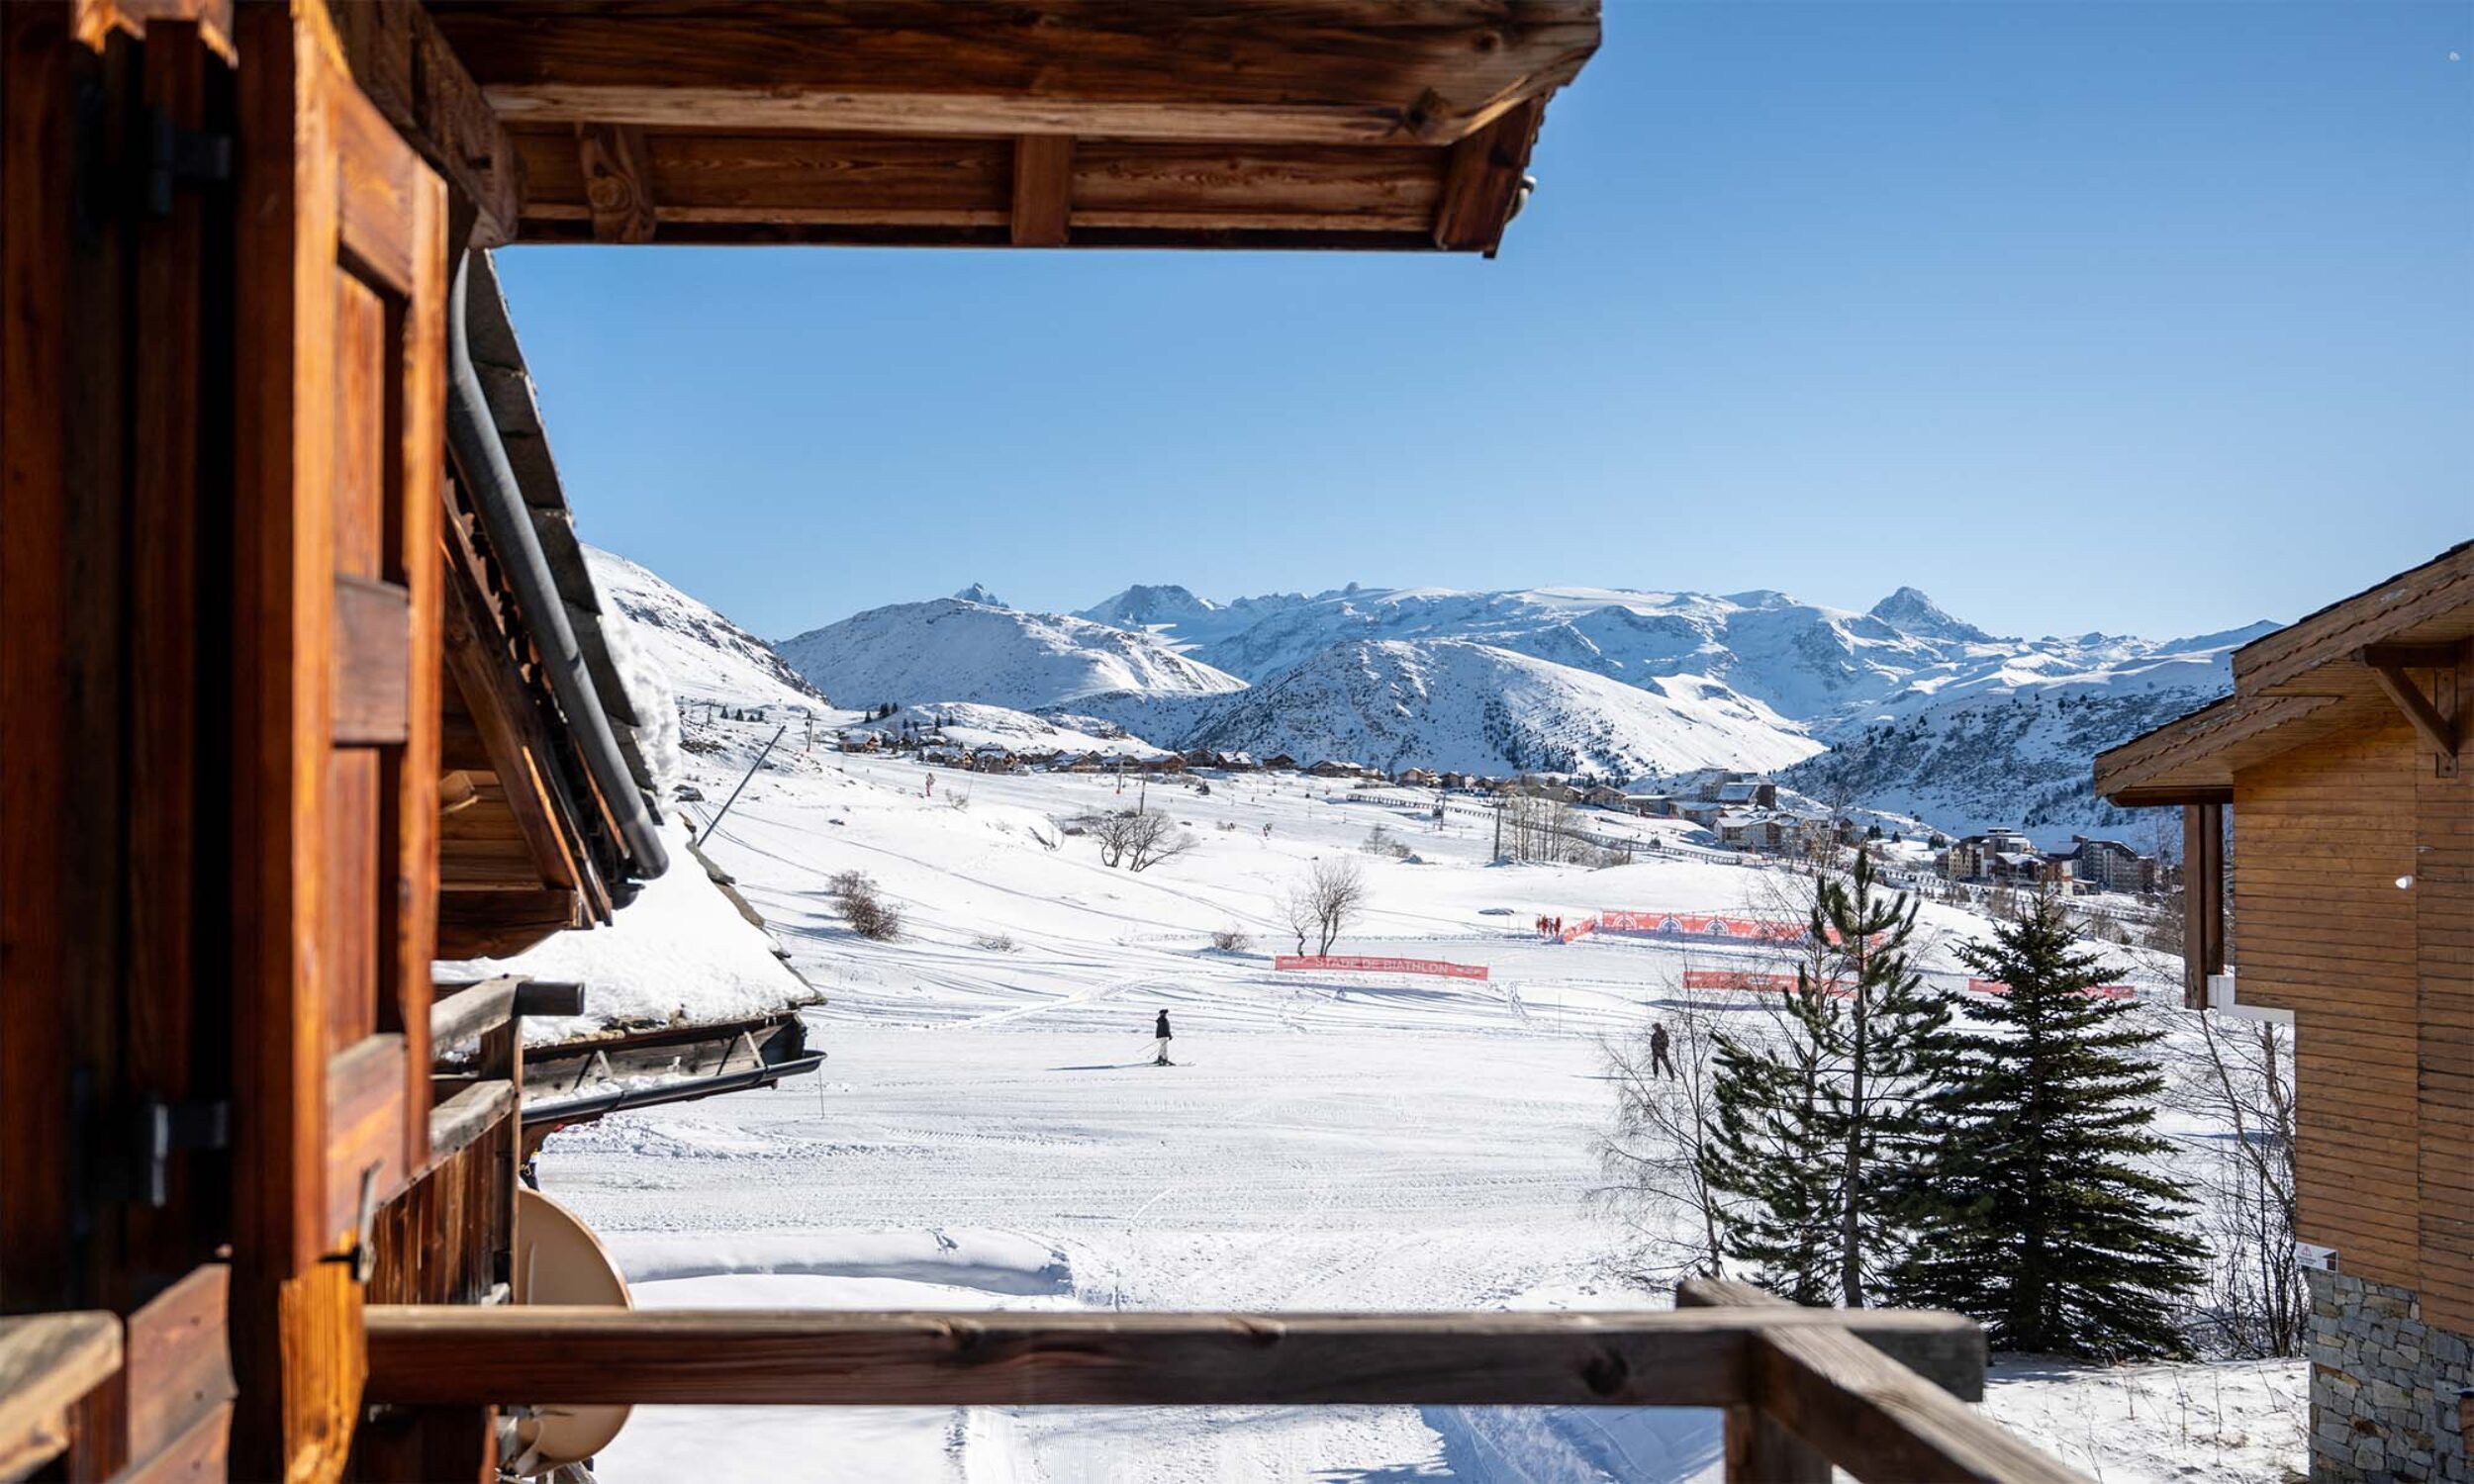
{"x": 2041, "y": 1220}
{"x": 1765, "y": 1163}
{"x": 1820, "y": 1133}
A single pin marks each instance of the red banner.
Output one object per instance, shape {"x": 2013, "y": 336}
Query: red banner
{"x": 1381, "y": 966}
{"x": 1699, "y": 925}
{"x": 1737, "y": 978}
{"x": 2093, "y": 991}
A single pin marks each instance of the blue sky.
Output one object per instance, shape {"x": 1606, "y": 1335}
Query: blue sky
{"x": 2153, "y": 318}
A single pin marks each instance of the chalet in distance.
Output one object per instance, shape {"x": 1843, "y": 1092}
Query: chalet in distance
{"x": 2343, "y": 756}
{"x": 298, "y": 691}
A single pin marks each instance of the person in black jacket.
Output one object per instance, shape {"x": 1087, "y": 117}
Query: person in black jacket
{"x": 1162, "y": 1032}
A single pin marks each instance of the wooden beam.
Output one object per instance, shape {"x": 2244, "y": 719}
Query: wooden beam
{"x": 461, "y": 1013}
{"x": 2203, "y": 900}
{"x": 1339, "y": 71}
{"x": 408, "y": 69}
{"x": 494, "y": 924}
{"x": 1879, "y": 1420}
{"x": 48, "y": 1364}
{"x": 1482, "y": 184}
{"x": 1758, "y": 1449}
{"x": 552, "y": 1355}
{"x": 618, "y": 182}
{"x": 2387, "y": 672}
{"x": 1043, "y": 189}
{"x": 455, "y": 1123}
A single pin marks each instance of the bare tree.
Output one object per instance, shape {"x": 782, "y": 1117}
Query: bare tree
{"x": 1325, "y": 903}
{"x": 1154, "y": 838}
{"x": 1138, "y": 839}
{"x": 2237, "y": 1076}
{"x": 1651, "y": 1156}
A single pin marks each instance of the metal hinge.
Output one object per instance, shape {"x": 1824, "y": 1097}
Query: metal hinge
{"x": 178, "y": 157}
{"x": 166, "y": 1129}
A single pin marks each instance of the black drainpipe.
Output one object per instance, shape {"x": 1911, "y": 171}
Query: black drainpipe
{"x": 473, "y": 433}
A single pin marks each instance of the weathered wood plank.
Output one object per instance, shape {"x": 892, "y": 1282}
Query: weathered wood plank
{"x": 465, "y": 1117}
{"x": 179, "y": 1366}
{"x": 1340, "y": 71}
{"x": 543, "y": 1355}
{"x": 1482, "y": 184}
{"x": 408, "y": 71}
{"x": 618, "y": 182}
{"x": 1879, "y": 1420}
{"x": 48, "y": 1364}
{"x": 1043, "y": 189}
{"x": 1759, "y": 1449}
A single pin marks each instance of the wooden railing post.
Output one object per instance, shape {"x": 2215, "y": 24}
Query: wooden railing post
{"x": 1758, "y": 1449}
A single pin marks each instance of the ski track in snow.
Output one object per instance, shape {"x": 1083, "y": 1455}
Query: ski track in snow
{"x": 988, "y": 1134}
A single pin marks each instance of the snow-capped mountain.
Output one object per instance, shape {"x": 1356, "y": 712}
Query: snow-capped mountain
{"x": 966, "y": 725}
{"x": 705, "y": 656}
{"x": 954, "y": 650}
{"x": 977, "y": 593}
{"x": 1920, "y": 712}
{"x": 1453, "y": 705}
{"x": 1825, "y": 670}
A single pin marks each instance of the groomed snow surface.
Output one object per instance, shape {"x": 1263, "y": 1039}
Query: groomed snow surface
{"x": 988, "y": 1133}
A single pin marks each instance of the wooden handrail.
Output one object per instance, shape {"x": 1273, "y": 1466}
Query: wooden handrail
{"x": 461, "y": 1012}
{"x": 1822, "y": 1396}
{"x": 48, "y": 1364}
{"x": 566, "y": 1356}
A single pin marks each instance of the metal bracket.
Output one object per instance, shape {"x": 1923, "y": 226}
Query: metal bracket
{"x": 178, "y": 157}
{"x": 362, "y": 1254}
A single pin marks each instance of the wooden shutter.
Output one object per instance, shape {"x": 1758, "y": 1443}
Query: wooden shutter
{"x": 339, "y": 429}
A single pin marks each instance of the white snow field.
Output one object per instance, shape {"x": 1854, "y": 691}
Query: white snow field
{"x": 988, "y": 1133}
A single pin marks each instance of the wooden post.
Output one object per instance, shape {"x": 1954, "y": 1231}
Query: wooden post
{"x": 2203, "y": 899}
{"x": 1757, "y": 1447}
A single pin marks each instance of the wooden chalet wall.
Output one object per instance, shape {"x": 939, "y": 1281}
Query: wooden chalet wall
{"x": 2322, "y": 833}
{"x": 115, "y": 1055}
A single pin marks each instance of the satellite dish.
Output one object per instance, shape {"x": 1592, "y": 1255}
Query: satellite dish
{"x": 558, "y": 1260}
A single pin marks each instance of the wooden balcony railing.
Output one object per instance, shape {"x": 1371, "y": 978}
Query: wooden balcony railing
{"x": 1870, "y": 1390}
{"x": 55, "y": 1369}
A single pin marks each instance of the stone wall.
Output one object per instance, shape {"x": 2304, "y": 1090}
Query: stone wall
{"x": 2384, "y": 1385}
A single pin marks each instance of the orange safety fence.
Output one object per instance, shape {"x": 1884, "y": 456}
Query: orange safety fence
{"x": 1381, "y": 965}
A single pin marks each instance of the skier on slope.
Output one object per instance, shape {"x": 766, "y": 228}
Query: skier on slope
{"x": 1161, "y": 1034}
{"x": 1659, "y": 1066}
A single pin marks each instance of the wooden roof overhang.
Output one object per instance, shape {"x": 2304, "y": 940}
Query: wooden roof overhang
{"x": 1381, "y": 123}
{"x": 528, "y": 843}
{"x": 2348, "y": 666}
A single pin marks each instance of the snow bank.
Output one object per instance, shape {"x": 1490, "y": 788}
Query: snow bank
{"x": 680, "y": 951}
{"x": 997, "y": 1262}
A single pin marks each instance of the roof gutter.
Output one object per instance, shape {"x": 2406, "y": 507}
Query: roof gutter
{"x": 473, "y": 435}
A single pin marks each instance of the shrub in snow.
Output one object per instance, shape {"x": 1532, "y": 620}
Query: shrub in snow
{"x": 1229, "y": 941}
{"x": 995, "y": 943}
{"x": 864, "y": 909}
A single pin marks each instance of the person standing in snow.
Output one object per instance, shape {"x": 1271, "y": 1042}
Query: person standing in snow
{"x": 1161, "y": 1031}
{"x": 1660, "y": 1065}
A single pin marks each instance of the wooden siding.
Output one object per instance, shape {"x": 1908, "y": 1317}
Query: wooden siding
{"x": 2379, "y": 981}
{"x": 2321, "y": 836}
{"x": 2443, "y": 936}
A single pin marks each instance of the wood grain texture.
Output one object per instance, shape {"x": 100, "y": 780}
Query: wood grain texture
{"x": 416, "y": 80}
{"x": 48, "y": 1364}
{"x": 1879, "y": 1420}
{"x": 1331, "y": 72}
{"x": 542, "y": 1355}
{"x": 618, "y": 177}
{"x": 179, "y": 1370}
{"x": 1482, "y": 184}
{"x": 1759, "y": 1447}
{"x": 1043, "y": 189}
